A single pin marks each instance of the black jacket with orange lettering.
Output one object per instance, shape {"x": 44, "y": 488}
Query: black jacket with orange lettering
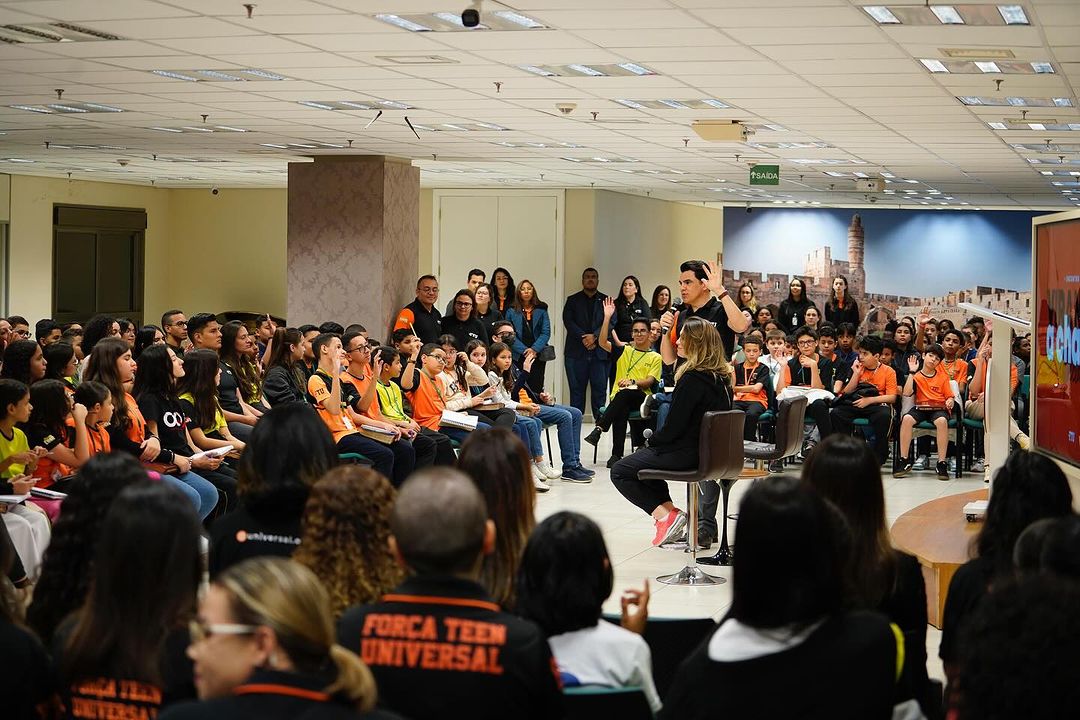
{"x": 275, "y": 695}
{"x": 440, "y": 646}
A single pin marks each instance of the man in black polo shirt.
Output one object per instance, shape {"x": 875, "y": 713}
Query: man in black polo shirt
{"x": 439, "y": 635}
{"x": 698, "y": 283}
{"x": 421, "y": 315}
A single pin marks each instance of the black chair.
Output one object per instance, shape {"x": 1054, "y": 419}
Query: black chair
{"x": 588, "y": 702}
{"x": 790, "y": 418}
{"x": 670, "y": 641}
{"x": 720, "y": 458}
{"x": 787, "y": 440}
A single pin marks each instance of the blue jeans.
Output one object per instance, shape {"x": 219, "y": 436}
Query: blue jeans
{"x": 567, "y": 422}
{"x": 528, "y": 429}
{"x": 663, "y": 407}
{"x": 585, "y": 372}
{"x": 201, "y": 492}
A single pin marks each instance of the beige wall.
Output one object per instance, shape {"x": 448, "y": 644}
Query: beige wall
{"x": 203, "y": 252}
{"x": 234, "y": 240}
{"x": 5, "y": 197}
{"x": 427, "y": 229}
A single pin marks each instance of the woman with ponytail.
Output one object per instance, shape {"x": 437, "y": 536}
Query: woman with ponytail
{"x": 263, "y": 646}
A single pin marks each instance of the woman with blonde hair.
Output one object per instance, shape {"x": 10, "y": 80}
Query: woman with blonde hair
{"x": 747, "y": 298}
{"x": 263, "y": 646}
{"x": 702, "y": 384}
{"x": 345, "y": 537}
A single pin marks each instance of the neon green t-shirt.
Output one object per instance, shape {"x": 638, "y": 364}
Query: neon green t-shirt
{"x": 638, "y": 365}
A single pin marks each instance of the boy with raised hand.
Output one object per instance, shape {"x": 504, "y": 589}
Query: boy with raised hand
{"x": 393, "y": 406}
{"x": 933, "y": 404}
{"x": 878, "y": 409}
{"x": 752, "y": 386}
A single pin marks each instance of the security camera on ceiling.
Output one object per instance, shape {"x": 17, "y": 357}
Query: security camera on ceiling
{"x": 566, "y": 107}
{"x": 869, "y": 185}
{"x": 470, "y": 17}
{"x": 214, "y": 191}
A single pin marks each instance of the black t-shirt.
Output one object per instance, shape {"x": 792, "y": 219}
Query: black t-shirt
{"x": 275, "y": 695}
{"x": 845, "y": 670}
{"x": 28, "y": 679}
{"x": 801, "y": 376}
{"x": 464, "y": 331}
{"x": 968, "y": 587}
{"x": 626, "y": 314}
{"x": 227, "y": 390}
{"x": 437, "y": 638}
{"x": 714, "y": 312}
{"x": 171, "y": 421}
{"x": 244, "y": 534}
{"x": 37, "y": 434}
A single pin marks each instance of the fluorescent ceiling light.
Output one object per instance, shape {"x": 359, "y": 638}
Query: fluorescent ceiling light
{"x": 519, "y": 19}
{"x": 452, "y": 18}
{"x": 947, "y": 14}
{"x": 997, "y": 125}
{"x": 536, "y": 70}
{"x": 102, "y": 108}
{"x": 833, "y": 173}
{"x": 217, "y": 75}
{"x": 970, "y": 100}
{"x": 1042, "y": 68}
{"x": 175, "y": 75}
{"x": 1013, "y": 14}
{"x": 273, "y": 145}
{"x": 775, "y": 128}
{"x": 1017, "y": 101}
{"x": 1063, "y": 102}
{"x": 192, "y": 128}
{"x": 403, "y": 23}
{"x": 573, "y": 160}
{"x": 20, "y": 160}
{"x": 673, "y": 104}
{"x": 881, "y": 14}
{"x": 491, "y": 126}
{"x": 631, "y": 104}
{"x": 452, "y": 127}
{"x": 230, "y": 128}
{"x": 165, "y": 129}
{"x": 886, "y": 174}
{"x": 32, "y": 108}
{"x": 357, "y": 105}
{"x": 319, "y": 106}
{"x": 988, "y": 67}
{"x": 263, "y": 74}
{"x": 934, "y": 66}
{"x": 1036, "y": 126}
{"x": 636, "y": 69}
{"x": 308, "y": 146}
{"x": 67, "y": 108}
{"x": 716, "y": 104}
{"x": 394, "y": 104}
{"x": 585, "y": 70}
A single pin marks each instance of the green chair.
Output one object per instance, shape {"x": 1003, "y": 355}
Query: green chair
{"x": 588, "y": 702}
{"x": 354, "y": 459}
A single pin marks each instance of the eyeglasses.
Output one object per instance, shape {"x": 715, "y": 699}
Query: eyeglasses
{"x": 22, "y": 333}
{"x": 639, "y": 331}
{"x": 360, "y": 348}
{"x": 805, "y": 343}
{"x": 180, "y": 323}
{"x": 440, "y": 358}
{"x": 201, "y": 631}
{"x": 463, "y": 304}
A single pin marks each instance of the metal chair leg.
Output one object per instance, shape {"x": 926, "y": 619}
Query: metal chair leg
{"x": 725, "y": 555}
{"x": 692, "y": 574}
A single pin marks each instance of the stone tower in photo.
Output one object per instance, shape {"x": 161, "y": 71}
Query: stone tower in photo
{"x": 856, "y": 249}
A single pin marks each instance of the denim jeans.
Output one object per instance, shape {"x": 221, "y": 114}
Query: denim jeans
{"x": 201, "y": 492}
{"x": 663, "y": 407}
{"x": 567, "y": 421}
{"x": 585, "y": 372}
{"x": 528, "y": 429}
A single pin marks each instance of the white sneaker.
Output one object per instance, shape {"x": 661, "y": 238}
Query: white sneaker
{"x": 548, "y": 472}
{"x": 921, "y": 462}
{"x": 977, "y": 465}
{"x": 539, "y": 479}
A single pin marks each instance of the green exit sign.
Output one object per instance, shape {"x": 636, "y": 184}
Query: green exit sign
{"x": 765, "y": 175}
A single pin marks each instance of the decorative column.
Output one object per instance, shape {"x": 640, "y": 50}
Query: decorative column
{"x": 353, "y": 240}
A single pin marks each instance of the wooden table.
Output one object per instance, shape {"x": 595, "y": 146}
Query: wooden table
{"x": 939, "y": 535}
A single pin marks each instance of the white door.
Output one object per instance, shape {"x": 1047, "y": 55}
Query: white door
{"x": 468, "y": 238}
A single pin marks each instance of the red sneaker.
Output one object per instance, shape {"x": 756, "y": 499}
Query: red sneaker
{"x": 669, "y": 527}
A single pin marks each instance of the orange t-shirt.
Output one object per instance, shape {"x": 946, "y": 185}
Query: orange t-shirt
{"x": 956, "y": 370}
{"x": 136, "y": 431}
{"x": 745, "y": 376}
{"x": 427, "y": 402}
{"x": 932, "y": 391}
{"x": 99, "y": 440}
{"x": 340, "y": 425}
{"x": 882, "y": 377}
{"x": 48, "y": 469}
{"x": 362, "y": 386}
{"x": 1014, "y": 378}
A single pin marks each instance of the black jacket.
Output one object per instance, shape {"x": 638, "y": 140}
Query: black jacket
{"x": 275, "y": 695}
{"x": 850, "y": 313}
{"x": 465, "y": 330}
{"x": 793, "y": 314}
{"x": 281, "y": 386}
{"x": 696, "y": 393}
{"x": 583, "y": 315}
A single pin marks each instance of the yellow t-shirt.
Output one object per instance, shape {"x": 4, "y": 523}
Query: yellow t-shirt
{"x": 390, "y": 401}
{"x": 638, "y": 365}
{"x": 12, "y": 446}
{"x": 219, "y": 417}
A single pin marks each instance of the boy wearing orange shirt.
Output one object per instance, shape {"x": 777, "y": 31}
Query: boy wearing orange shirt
{"x": 933, "y": 404}
{"x": 878, "y": 409}
{"x": 752, "y": 385}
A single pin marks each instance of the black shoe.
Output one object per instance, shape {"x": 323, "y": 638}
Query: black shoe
{"x": 943, "y": 470}
{"x": 612, "y": 460}
{"x": 705, "y": 540}
{"x": 594, "y": 437}
{"x": 903, "y": 468}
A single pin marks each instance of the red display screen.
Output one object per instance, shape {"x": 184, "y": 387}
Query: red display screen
{"x": 1057, "y": 367}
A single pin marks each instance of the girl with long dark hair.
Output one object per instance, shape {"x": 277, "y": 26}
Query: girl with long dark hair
{"x": 61, "y": 364}
{"x": 23, "y": 361}
{"x": 532, "y": 331}
{"x": 283, "y": 382}
{"x": 793, "y": 308}
{"x": 148, "y": 335}
{"x": 841, "y": 306}
{"x": 58, "y": 425}
{"x": 239, "y": 387}
{"x": 96, "y": 329}
{"x": 131, "y": 630}
{"x": 197, "y": 392}
{"x": 661, "y": 301}
{"x": 503, "y": 296}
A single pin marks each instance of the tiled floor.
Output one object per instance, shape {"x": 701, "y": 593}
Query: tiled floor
{"x": 628, "y": 533}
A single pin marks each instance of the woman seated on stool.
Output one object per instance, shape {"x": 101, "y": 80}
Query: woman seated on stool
{"x": 702, "y": 384}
